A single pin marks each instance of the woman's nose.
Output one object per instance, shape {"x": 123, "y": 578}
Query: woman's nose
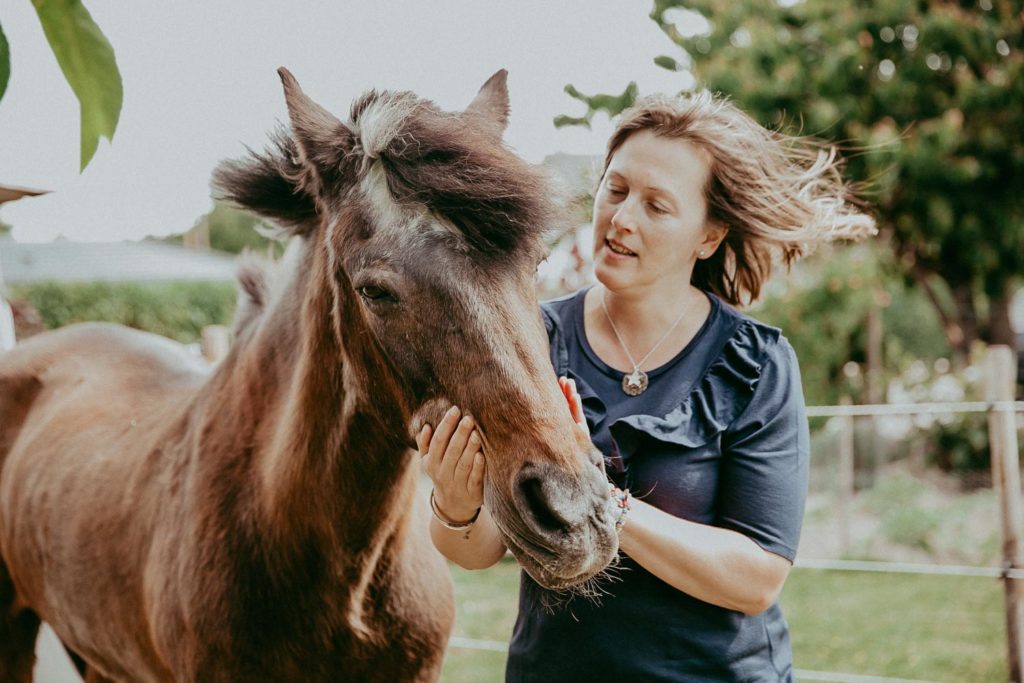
{"x": 624, "y": 218}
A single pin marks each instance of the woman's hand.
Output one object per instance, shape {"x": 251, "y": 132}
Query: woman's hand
{"x": 572, "y": 397}
{"x": 455, "y": 464}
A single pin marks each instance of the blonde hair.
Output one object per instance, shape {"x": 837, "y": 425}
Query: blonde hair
{"x": 777, "y": 196}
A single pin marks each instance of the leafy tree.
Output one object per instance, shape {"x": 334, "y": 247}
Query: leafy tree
{"x": 88, "y": 63}
{"x": 228, "y": 229}
{"x": 927, "y": 94}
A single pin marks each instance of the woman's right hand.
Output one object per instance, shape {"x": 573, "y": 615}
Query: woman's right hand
{"x": 454, "y": 461}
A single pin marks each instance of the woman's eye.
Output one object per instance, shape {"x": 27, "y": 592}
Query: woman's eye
{"x": 374, "y": 293}
{"x": 657, "y": 209}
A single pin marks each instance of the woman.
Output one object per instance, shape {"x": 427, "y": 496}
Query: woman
{"x": 697, "y": 408}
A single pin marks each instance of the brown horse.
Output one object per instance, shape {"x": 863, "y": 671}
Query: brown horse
{"x": 258, "y": 522}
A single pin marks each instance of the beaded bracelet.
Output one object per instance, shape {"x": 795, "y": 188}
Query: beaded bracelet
{"x": 620, "y": 498}
{"x": 447, "y": 523}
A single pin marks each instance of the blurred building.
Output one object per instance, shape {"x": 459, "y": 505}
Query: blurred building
{"x": 65, "y": 261}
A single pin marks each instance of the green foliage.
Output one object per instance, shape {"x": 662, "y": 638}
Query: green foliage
{"x": 177, "y": 310}
{"x": 961, "y": 445}
{"x": 88, "y": 63}
{"x": 613, "y": 105}
{"x": 230, "y": 230}
{"x": 5, "y": 62}
{"x": 927, "y": 93}
{"x": 823, "y": 308}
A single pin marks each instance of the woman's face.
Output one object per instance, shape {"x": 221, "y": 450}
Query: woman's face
{"x": 650, "y": 214}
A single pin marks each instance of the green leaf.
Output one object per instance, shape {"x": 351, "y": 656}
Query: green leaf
{"x": 561, "y": 121}
{"x": 5, "y": 62}
{"x": 666, "y": 62}
{"x": 88, "y": 63}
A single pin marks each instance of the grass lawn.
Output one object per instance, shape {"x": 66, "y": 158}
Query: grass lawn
{"x": 932, "y": 628}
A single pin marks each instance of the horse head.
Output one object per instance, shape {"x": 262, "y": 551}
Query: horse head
{"x": 433, "y": 230}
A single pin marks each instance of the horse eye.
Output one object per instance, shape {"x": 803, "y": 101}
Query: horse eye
{"x": 375, "y": 293}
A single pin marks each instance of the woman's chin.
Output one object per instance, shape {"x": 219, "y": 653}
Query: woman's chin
{"x": 612, "y": 275}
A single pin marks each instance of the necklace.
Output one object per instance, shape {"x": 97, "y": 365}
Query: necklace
{"x": 635, "y": 383}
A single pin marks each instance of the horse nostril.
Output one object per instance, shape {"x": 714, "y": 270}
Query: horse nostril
{"x": 537, "y": 505}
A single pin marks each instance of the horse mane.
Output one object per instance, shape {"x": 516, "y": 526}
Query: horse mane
{"x": 453, "y": 164}
{"x": 456, "y": 167}
{"x": 270, "y": 184}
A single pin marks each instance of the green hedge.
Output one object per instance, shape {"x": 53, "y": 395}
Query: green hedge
{"x": 179, "y": 310}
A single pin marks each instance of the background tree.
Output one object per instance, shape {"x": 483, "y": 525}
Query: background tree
{"x": 88, "y": 63}
{"x": 927, "y": 94}
{"x": 228, "y": 229}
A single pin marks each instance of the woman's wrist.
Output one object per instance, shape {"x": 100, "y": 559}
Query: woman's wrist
{"x": 621, "y": 506}
{"x": 455, "y": 523}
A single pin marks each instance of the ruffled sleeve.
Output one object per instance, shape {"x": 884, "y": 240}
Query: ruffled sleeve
{"x": 766, "y": 458}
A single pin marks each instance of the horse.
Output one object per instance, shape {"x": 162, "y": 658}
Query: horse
{"x": 259, "y": 520}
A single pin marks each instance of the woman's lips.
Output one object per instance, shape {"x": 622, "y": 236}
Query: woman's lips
{"x": 617, "y": 248}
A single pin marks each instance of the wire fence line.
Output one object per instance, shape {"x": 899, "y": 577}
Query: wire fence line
{"x": 910, "y": 568}
{"x": 883, "y": 409}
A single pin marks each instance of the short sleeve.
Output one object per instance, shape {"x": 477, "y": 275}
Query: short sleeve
{"x": 765, "y": 458}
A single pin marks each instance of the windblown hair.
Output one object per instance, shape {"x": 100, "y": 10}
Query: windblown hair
{"x": 778, "y": 196}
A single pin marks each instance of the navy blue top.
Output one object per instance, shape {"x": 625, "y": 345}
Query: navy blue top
{"x": 719, "y": 437}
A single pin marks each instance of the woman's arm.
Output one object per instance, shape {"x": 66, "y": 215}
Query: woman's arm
{"x": 455, "y": 464}
{"x": 715, "y": 565}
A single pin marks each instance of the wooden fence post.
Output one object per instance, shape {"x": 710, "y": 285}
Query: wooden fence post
{"x": 1002, "y": 429}
{"x": 216, "y": 342}
{"x": 845, "y": 478}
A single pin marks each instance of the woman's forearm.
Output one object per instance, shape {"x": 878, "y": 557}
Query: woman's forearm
{"x": 478, "y": 547}
{"x": 716, "y": 565}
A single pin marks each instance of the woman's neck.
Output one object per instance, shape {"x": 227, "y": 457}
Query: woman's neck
{"x": 624, "y": 326}
{"x": 648, "y": 311}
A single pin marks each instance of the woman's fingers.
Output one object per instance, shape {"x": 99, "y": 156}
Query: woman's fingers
{"x": 476, "y": 475}
{"x": 443, "y": 434}
{"x": 465, "y": 462}
{"x": 456, "y": 445}
{"x": 423, "y": 448}
{"x": 572, "y": 398}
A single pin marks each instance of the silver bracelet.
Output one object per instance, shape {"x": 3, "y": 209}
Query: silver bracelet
{"x": 447, "y": 523}
{"x": 620, "y": 501}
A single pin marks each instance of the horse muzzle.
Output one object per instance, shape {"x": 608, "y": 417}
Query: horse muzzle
{"x": 559, "y": 525}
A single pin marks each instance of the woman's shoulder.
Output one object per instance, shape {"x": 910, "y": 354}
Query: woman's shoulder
{"x": 751, "y": 339}
{"x": 559, "y": 311}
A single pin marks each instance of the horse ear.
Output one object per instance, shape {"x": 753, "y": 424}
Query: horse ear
{"x": 491, "y": 104}
{"x": 321, "y": 139}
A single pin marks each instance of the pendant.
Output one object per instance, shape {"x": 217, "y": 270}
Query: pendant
{"x": 635, "y": 383}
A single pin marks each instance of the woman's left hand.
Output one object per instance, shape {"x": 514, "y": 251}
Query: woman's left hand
{"x": 572, "y": 397}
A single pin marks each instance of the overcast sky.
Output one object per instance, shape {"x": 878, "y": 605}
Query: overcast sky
{"x": 200, "y": 82}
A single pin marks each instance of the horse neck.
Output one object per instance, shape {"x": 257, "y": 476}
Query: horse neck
{"x": 326, "y": 460}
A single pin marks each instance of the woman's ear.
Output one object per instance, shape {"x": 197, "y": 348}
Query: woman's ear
{"x": 714, "y": 233}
